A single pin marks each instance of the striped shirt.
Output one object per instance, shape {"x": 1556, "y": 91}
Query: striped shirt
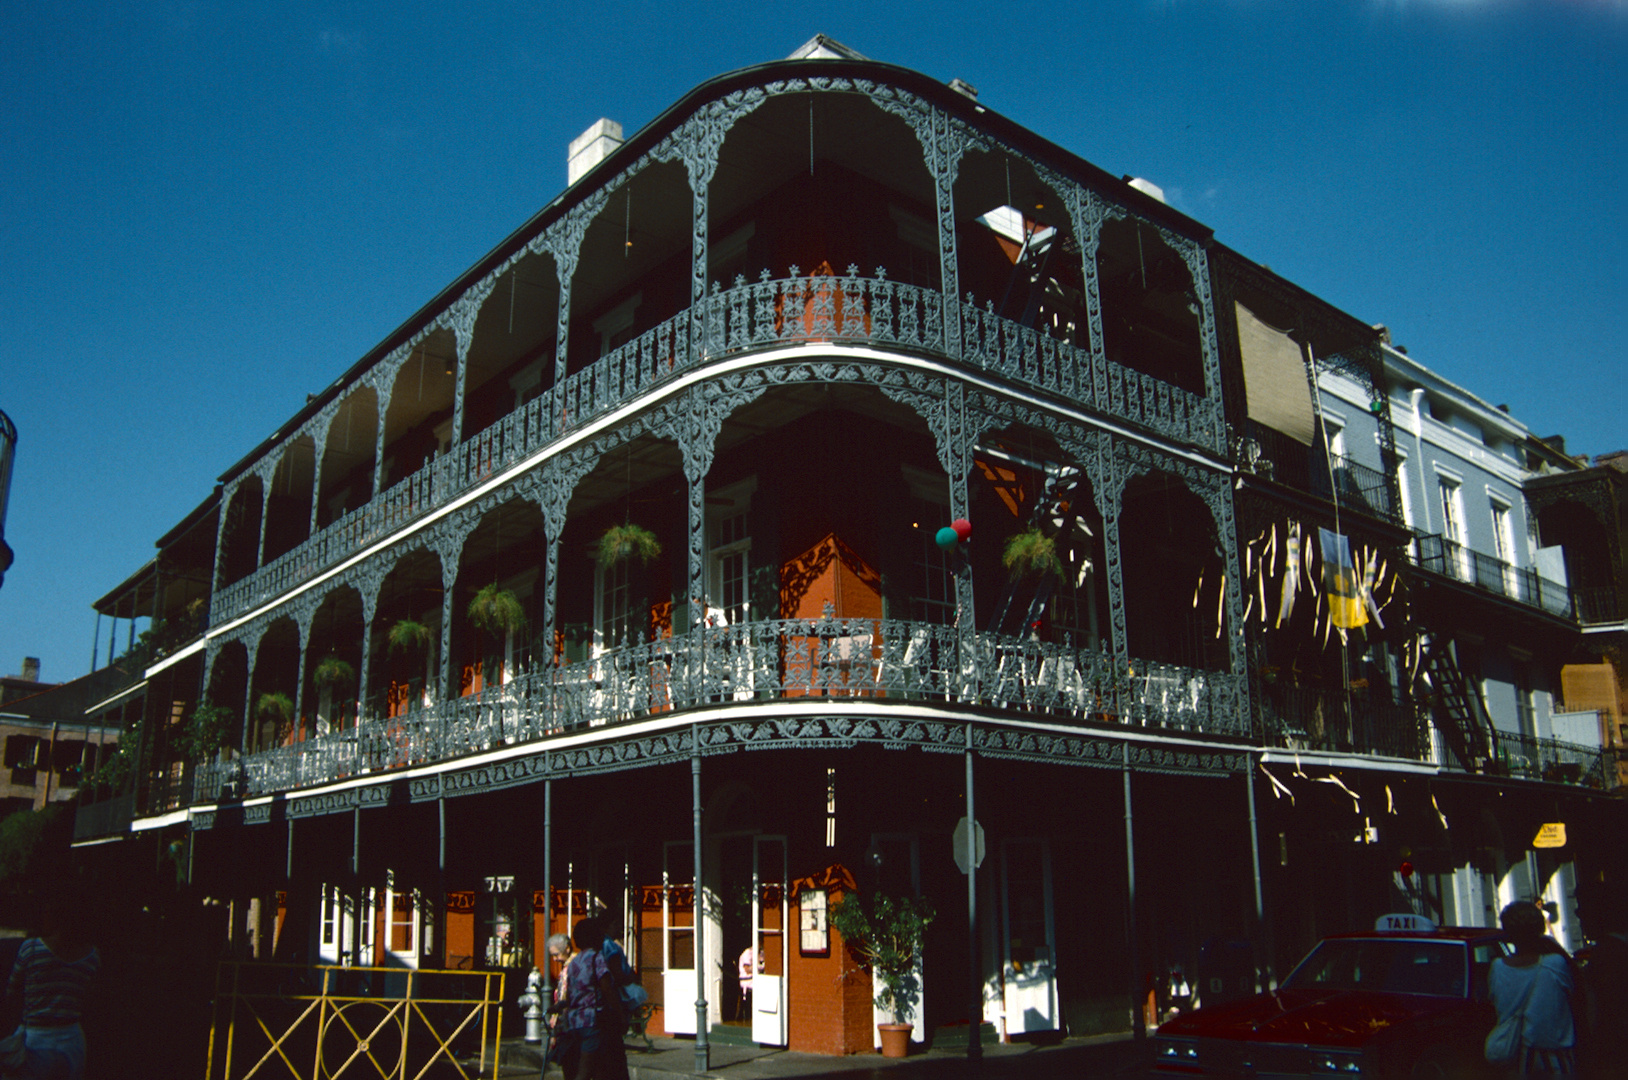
{"x": 52, "y": 990}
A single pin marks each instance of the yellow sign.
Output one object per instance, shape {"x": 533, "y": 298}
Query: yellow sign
{"x": 1552, "y": 834}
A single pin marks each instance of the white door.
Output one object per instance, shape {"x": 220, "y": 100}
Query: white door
{"x": 1028, "y": 935}
{"x": 769, "y": 937}
{"x": 678, "y": 971}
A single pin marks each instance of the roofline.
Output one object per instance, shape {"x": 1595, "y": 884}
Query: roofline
{"x": 924, "y": 86}
{"x": 1506, "y": 423}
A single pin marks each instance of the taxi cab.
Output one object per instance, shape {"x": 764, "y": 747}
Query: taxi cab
{"x": 1406, "y": 999}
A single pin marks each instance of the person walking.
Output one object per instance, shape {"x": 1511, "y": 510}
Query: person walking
{"x": 50, "y": 977}
{"x": 1532, "y": 991}
{"x": 592, "y": 1020}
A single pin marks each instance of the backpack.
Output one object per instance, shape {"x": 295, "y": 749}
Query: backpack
{"x": 623, "y": 975}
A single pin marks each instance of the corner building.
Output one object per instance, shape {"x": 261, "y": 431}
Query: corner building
{"x": 813, "y": 314}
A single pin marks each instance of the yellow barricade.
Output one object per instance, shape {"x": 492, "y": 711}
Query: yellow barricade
{"x": 292, "y": 1022}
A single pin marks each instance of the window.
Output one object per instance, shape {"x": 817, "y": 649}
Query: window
{"x": 613, "y": 603}
{"x": 1503, "y": 539}
{"x": 615, "y": 327}
{"x": 1525, "y": 704}
{"x": 729, "y": 549}
{"x": 933, "y": 597}
{"x": 1334, "y": 433}
{"x": 1452, "y": 511}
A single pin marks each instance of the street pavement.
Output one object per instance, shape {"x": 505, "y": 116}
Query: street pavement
{"x": 1100, "y": 1057}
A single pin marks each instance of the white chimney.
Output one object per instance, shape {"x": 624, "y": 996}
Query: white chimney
{"x": 591, "y": 147}
{"x": 1146, "y": 187}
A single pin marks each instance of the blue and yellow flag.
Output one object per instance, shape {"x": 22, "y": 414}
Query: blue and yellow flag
{"x": 1346, "y": 609}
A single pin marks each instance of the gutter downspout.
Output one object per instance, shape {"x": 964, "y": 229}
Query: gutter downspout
{"x": 1414, "y": 399}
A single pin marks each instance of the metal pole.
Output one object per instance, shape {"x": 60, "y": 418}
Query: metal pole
{"x": 1138, "y": 994}
{"x": 356, "y": 884}
{"x": 1265, "y": 976}
{"x": 975, "y": 995}
{"x": 441, "y": 864}
{"x": 548, "y": 887}
{"x": 702, "y": 1064}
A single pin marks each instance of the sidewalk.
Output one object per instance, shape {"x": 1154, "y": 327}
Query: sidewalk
{"x": 1099, "y": 1056}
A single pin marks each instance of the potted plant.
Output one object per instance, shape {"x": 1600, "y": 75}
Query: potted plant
{"x": 1031, "y": 552}
{"x": 626, "y": 541}
{"x": 276, "y": 708}
{"x": 205, "y": 733}
{"x": 887, "y": 937}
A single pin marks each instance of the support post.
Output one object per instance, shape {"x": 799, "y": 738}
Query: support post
{"x": 441, "y": 867}
{"x": 975, "y": 987}
{"x": 1138, "y": 991}
{"x": 702, "y": 1064}
{"x": 1261, "y": 939}
{"x": 356, "y": 885}
{"x": 548, "y": 887}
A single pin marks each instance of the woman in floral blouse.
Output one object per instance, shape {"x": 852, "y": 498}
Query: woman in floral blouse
{"x": 590, "y": 1044}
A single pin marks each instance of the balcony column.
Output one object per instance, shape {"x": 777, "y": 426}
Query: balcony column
{"x": 304, "y": 627}
{"x": 370, "y": 607}
{"x": 265, "y": 507}
{"x": 944, "y": 148}
{"x": 319, "y": 444}
{"x": 1086, "y": 210}
{"x": 1109, "y": 494}
{"x": 564, "y": 242}
{"x": 959, "y": 443}
{"x": 449, "y": 578}
{"x": 248, "y": 741}
{"x": 381, "y": 402}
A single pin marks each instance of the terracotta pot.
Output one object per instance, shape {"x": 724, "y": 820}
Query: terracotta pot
{"x": 895, "y": 1039}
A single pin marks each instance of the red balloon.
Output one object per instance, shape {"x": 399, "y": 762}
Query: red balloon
{"x": 1407, "y": 869}
{"x": 962, "y": 527}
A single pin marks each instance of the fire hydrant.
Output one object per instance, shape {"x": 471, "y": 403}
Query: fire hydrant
{"x": 532, "y": 1002}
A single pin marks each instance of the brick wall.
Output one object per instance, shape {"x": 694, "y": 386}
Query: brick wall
{"x": 829, "y": 996}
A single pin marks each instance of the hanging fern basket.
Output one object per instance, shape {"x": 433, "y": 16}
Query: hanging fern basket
{"x": 408, "y": 635}
{"x": 274, "y": 706}
{"x": 621, "y": 542}
{"x": 333, "y": 673}
{"x": 1031, "y": 552}
{"x": 495, "y": 610}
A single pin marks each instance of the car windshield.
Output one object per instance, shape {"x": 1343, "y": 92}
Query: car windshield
{"x": 1398, "y": 967}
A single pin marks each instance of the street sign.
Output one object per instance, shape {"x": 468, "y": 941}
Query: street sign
{"x": 958, "y": 843}
{"x": 1552, "y": 834}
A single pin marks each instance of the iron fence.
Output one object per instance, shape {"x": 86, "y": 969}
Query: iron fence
{"x": 1308, "y": 718}
{"x": 1450, "y": 559}
{"x": 768, "y": 660}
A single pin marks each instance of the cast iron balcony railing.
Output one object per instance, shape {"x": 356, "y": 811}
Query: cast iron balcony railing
{"x": 1555, "y": 761}
{"x": 1450, "y": 559}
{"x": 1598, "y": 604}
{"x": 1270, "y": 453}
{"x": 1308, "y": 718}
{"x": 784, "y": 659}
{"x": 749, "y": 316}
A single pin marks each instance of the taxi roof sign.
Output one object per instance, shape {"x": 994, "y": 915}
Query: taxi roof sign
{"x": 1551, "y": 835}
{"x": 1404, "y": 922}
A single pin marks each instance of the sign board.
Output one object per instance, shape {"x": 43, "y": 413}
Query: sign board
{"x": 1404, "y": 922}
{"x": 958, "y": 843}
{"x": 1552, "y": 834}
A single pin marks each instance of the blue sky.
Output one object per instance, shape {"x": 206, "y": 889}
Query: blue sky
{"x": 210, "y": 210}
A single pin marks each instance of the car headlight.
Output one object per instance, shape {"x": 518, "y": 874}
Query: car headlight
{"x": 1175, "y": 1050}
{"x": 1337, "y": 1064}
